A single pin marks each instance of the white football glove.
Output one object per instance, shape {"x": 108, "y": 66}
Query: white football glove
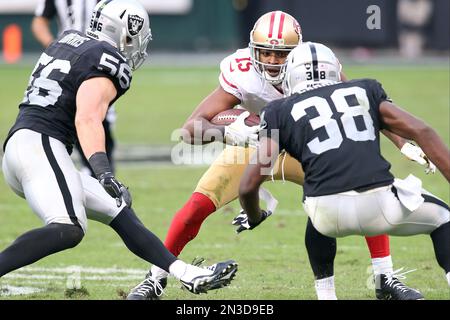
{"x": 241, "y": 220}
{"x": 415, "y": 153}
{"x": 239, "y": 134}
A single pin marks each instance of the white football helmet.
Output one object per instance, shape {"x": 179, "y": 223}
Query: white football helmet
{"x": 308, "y": 66}
{"x": 125, "y": 25}
{"x": 277, "y": 31}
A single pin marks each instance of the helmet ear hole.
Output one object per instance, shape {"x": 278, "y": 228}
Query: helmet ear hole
{"x": 128, "y": 40}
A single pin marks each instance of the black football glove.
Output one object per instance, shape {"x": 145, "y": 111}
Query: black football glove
{"x": 115, "y": 188}
{"x": 100, "y": 165}
{"x": 242, "y": 221}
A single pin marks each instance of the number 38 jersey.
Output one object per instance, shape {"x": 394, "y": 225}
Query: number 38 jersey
{"x": 49, "y": 103}
{"x": 334, "y": 132}
{"x": 239, "y": 78}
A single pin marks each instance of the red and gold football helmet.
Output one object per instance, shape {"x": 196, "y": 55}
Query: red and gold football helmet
{"x": 274, "y": 31}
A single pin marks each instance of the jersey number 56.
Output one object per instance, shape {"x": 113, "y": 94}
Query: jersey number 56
{"x": 121, "y": 71}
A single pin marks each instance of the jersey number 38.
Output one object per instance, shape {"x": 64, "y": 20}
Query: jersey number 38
{"x": 347, "y": 119}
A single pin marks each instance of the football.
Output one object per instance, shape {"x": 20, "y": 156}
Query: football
{"x": 227, "y": 117}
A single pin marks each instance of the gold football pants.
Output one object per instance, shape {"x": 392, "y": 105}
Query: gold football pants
{"x": 220, "y": 182}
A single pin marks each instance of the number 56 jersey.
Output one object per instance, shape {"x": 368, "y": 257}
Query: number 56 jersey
{"x": 49, "y": 103}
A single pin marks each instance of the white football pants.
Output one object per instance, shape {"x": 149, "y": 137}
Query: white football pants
{"x": 39, "y": 169}
{"x": 374, "y": 212}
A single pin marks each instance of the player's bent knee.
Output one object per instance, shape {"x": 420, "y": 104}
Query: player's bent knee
{"x": 70, "y": 235}
{"x": 433, "y": 214}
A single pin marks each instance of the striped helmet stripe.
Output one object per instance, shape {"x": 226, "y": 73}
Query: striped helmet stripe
{"x": 315, "y": 63}
{"x": 281, "y": 25}
{"x": 272, "y": 21}
{"x": 98, "y": 13}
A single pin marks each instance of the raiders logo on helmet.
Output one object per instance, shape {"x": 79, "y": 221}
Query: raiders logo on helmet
{"x": 135, "y": 24}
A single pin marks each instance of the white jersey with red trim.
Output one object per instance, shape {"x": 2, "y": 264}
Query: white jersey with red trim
{"x": 239, "y": 78}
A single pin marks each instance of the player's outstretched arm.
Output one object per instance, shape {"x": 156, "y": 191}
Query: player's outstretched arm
{"x": 406, "y": 125}
{"x": 93, "y": 99}
{"x": 255, "y": 174}
{"x": 411, "y": 151}
{"x": 398, "y": 141}
{"x": 217, "y": 101}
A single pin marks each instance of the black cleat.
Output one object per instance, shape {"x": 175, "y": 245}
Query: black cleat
{"x": 217, "y": 276}
{"x": 148, "y": 289}
{"x": 389, "y": 287}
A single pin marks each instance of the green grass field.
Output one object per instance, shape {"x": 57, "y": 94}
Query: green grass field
{"x": 273, "y": 263}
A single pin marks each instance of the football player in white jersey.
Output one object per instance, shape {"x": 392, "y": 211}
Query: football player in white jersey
{"x": 339, "y": 202}
{"x": 250, "y": 78}
{"x": 74, "y": 83}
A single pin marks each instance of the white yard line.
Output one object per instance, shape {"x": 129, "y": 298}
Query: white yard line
{"x": 56, "y": 277}
{"x": 14, "y": 291}
{"x": 73, "y": 268}
{"x": 70, "y": 276}
{"x": 84, "y": 273}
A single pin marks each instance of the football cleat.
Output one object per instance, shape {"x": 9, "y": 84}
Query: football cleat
{"x": 217, "y": 276}
{"x": 389, "y": 287}
{"x": 148, "y": 289}
{"x": 198, "y": 262}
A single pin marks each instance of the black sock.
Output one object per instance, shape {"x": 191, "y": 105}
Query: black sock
{"x": 321, "y": 252}
{"x": 141, "y": 241}
{"x": 441, "y": 243}
{"x": 39, "y": 243}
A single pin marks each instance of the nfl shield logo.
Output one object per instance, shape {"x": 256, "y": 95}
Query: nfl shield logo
{"x": 135, "y": 24}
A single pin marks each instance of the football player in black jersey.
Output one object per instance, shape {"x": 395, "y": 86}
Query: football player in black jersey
{"x": 72, "y": 15}
{"x": 71, "y": 87}
{"x": 332, "y": 128}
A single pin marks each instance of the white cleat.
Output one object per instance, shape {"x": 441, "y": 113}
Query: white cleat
{"x": 217, "y": 276}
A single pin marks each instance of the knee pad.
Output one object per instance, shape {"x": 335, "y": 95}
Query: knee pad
{"x": 70, "y": 235}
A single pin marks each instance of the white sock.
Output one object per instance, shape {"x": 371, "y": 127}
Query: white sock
{"x": 158, "y": 273}
{"x": 448, "y": 278}
{"x": 178, "y": 269}
{"x": 382, "y": 265}
{"x": 325, "y": 289}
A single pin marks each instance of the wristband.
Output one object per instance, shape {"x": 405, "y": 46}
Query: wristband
{"x": 100, "y": 164}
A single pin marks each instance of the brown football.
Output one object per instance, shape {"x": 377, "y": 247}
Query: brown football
{"x": 227, "y": 117}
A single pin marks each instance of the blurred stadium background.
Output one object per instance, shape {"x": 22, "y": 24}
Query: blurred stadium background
{"x": 407, "y": 50}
